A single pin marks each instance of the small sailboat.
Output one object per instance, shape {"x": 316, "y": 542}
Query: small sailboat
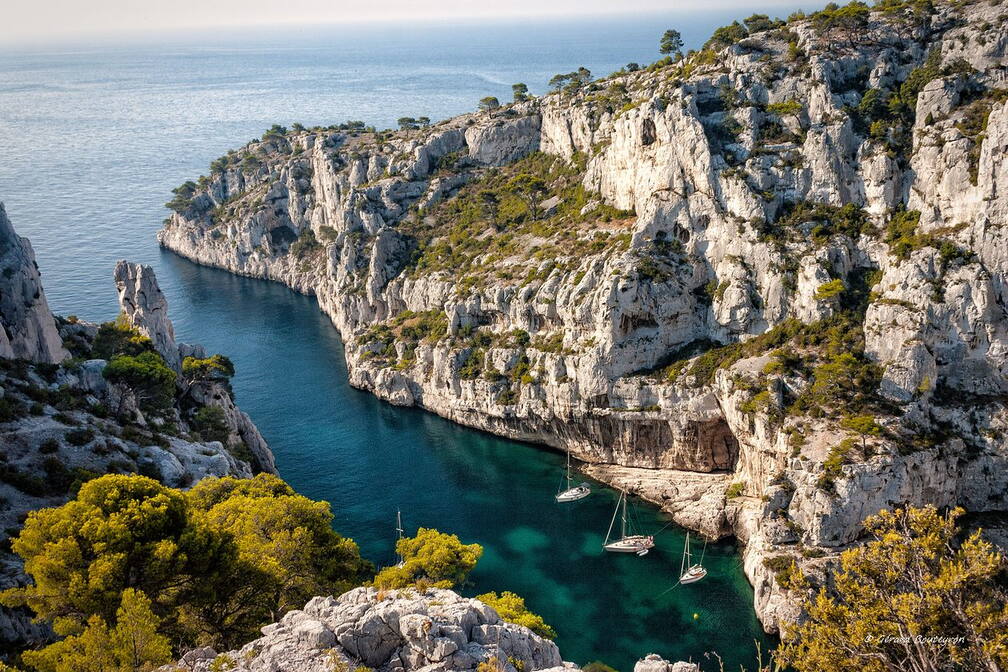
{"x": 627, "y": 543}
{"x": 572, "y": 493}
{"x": 399, "y": 536}
{"x": 688, "y": 572}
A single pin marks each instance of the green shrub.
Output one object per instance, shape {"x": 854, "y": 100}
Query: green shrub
{"x": 512, "y": 609}
{"x": 79, "y": 437}
{"x": 734, "y": 490}
{"x": 209, "y": 422}
{"x": 829, "y": 290}
{"x": 119, "y": 338}
{"x": 146, "y": 375}
{"x": 49, "y": 446}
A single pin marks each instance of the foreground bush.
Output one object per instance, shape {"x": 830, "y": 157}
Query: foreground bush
{"x": 909, "y": 599}
{"x": 512, "y": 609}
{"x": 431, "y": 557}
{"x": 216, "y": 562}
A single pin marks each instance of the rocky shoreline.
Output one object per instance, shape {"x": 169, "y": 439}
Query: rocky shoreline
{"x": 62, "y": 421}
{"x": 763, "y": 287}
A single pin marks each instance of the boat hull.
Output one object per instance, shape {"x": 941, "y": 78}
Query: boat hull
{"x": 574, "y": 494}
{"x": 692, "y": 575}
{"x": 634, "y": 544}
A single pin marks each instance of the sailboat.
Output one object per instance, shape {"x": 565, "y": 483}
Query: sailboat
{"x": 632, "y": 543}
{"x": 688, "y": 572}
{"x": 572, "y": 493}
{"x": 399, "y": 536}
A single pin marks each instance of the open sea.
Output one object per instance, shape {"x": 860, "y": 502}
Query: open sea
{"x": 93, "y": 136}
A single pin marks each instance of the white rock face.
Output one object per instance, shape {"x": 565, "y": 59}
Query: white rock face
{"x": 146, "y": 308}
{"x": 742, "y": 191}
{"x": 388, "y": 631}
{"x": 68, "y": 421}
{"x": 397, "y": 631}
{"x": 28, "y": 328}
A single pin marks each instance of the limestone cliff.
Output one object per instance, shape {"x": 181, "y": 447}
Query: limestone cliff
{"x": 29, "y": 331}
{"x": 763, "y": 286}
{"x": 395, "y": 631}
{"x": 63, "y": 420}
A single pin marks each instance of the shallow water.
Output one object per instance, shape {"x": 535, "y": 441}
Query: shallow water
{"x": 94, "y": 137}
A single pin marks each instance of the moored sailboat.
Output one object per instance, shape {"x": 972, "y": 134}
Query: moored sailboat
{"x": 399, "y": 536}
{"x": 572, "y": 493}
{"x": 627, "y": 543}
{"x": 688, "y": 572}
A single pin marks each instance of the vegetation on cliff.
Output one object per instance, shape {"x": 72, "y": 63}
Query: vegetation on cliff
{"x": 131, "y": 572}
{"x": 211, "y": 564}
{"x": 916, "y": 596}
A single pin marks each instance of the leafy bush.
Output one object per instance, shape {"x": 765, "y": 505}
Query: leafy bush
{"x": 436, "y": 558}
{"x": 209, "y": 422}
{"x": 79, "y": 437}
{"x": 305, "y": 244}
{"x": 119, "y": 338}
{"x": 146, "y": 375}
{"x": 217, "y": 561}
{"x": 49, "y": 446}
{"x": 512, "y": 609}
{"x": 916, "y": 574}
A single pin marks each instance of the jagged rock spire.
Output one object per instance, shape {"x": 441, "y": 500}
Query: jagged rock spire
{"x": 29, "y": 330}
{"x": 146, "y": 308}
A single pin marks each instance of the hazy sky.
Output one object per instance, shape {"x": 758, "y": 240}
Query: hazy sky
{"x": 39, "y": 20}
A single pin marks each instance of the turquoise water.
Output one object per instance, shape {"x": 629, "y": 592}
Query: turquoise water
{"x": 94, "y": 137}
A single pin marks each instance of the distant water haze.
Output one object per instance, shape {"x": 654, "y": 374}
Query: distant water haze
{"x": 94, "y": 136}
{"x": 49, "y": 20}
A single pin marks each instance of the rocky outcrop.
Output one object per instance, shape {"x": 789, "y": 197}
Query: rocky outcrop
{"x": 684, "y": 276}
{"x": 62, "y": 421}
{"x": 388, "y": 631}
{"x": 396, "y": 631}
{"x": 29, "y": 330}
{"x": 146, "y": 309}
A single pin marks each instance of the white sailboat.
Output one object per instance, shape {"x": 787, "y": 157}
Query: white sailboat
{"x": 573, "y": 493}
{"x": 399, "y": 536}
{"x": 627, "y": 543}
{"x": 688, "y": 572}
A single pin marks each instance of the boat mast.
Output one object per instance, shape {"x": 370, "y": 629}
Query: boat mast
{"x": 624, "y": 514}
{"x": 399, "y": 533}
{"x": 568, "y": 471}
{"x": 686, "y": 554}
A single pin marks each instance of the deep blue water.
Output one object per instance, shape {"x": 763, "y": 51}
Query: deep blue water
{"x": 93, "y": 138}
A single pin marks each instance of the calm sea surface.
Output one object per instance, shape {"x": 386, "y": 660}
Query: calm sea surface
{"x": 94, "y": 136}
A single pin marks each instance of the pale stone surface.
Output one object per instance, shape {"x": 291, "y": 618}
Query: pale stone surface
{"x": 935, "y": 322}
{"x": 27, "y": 327}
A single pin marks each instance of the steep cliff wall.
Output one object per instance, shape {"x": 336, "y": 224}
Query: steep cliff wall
{"x": 63, "y": 421}
{"x": 763, "y": 286}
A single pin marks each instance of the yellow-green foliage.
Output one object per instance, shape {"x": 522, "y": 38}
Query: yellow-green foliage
{"x": 494, "y": 224}
{"x": 216, "y": 561}
{"x": 215, "y": 367}
{"x": 829, "y": 290}
{"x": 132, "y": 644}
{"x": 435, "y": 558}
{"x": 912, "y": 598}
{"x": 408, "y": 327}
{"x": 119, "y": 338}
{"x": 512, "y": 609}
{"x": 903, "y": 238}
{"x": 147, "y": 375}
